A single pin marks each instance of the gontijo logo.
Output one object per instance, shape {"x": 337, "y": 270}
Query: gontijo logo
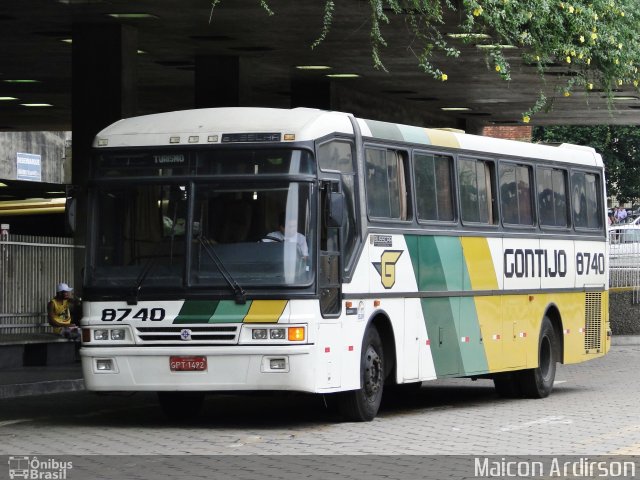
{"x": 36, "y": 469}
{"x": 386, "y": 267}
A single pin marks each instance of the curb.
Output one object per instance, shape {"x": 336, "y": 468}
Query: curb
{"x": 41, "y": 388}
{"x": 625, "y": 340}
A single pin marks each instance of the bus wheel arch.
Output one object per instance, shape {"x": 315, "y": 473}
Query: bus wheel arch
{"x": 377, "y": 357}
{"x": 538, "y": 382}
{"x": 382, "y": 324}
{"x": 553, "y": 314}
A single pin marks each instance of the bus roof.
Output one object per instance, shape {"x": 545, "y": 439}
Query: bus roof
{"x": 454, "y": 139}
{"x": 208, "y": 125}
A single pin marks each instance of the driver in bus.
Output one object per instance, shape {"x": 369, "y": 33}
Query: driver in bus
{"x": 288, "y": 232}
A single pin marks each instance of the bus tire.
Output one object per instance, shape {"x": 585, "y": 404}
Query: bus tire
{"x": 507, "y": 385}
{"x": 538, "y": 382}
{"x": 362, "y": 405}
{"x": 181, "y": 406}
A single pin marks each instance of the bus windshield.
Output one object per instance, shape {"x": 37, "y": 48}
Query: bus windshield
{"x": 207, "y": 232}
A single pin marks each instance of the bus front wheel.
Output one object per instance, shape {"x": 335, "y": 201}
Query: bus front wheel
{"x": 538, "y": 382}
{"x": 362, "y": 405}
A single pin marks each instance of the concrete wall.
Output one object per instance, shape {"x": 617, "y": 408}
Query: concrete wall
{"x": 51, "y": 146}
{"x": 378, "y": 107}
{"x": 624, "y": 315}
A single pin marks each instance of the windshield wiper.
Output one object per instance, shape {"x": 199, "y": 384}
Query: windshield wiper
{"x": 133, "y": 300}
{"x": 240, "y": 295}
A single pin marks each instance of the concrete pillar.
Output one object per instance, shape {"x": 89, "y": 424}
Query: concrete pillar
{"x": 222, "y": 81}
{"x": 103, "y": 91}
{"x": 312, "y": 93}
{"x": 472, "y": 126}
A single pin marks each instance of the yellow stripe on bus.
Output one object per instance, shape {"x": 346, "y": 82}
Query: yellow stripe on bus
{"x": 479, "y": 263}
{"x": 442, "y": 138}
{"x": 265, "y": 311}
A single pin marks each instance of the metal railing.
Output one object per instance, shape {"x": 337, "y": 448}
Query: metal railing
{"x": 624, "y": 260}
{"x": 30, "y": 268}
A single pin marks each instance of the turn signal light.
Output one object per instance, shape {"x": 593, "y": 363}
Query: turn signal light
{"x": 296, "y": 334}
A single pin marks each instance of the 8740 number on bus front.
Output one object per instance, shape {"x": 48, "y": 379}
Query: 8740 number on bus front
{"x": 142, "y": 314}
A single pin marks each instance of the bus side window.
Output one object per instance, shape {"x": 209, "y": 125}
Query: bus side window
{"x": 586, "y": 202}
{"x": 552, "y": 197}
{"x": 434, "y": 187}
{"x": 515, "y": 194}
{"x": 386, "y": 179}
{"x": 477, "y": 191}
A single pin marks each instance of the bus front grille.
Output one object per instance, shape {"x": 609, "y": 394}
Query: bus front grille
{"x": 592, "y": 321}
{"x": 188, "y": 335}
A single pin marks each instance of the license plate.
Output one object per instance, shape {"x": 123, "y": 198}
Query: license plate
{"x": 187, "y": 364}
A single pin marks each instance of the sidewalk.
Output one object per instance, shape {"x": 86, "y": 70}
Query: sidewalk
{"x": 25, "y": 381}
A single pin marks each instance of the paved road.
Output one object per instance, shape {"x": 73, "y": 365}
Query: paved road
{"x": 594, "y": 410}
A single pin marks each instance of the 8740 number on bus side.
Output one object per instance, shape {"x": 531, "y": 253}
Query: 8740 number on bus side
{"x": 589, "y": 263}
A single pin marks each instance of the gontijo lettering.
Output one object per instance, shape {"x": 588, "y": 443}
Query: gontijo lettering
{"x": 534, "y": 263}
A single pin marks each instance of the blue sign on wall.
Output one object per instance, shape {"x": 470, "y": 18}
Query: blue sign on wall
{"x": 29, "y": 167}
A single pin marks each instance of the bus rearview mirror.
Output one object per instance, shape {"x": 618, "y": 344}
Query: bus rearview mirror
{"x": 335, "y": 213}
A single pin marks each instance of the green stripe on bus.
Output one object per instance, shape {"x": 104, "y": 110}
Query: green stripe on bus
{"x": 441, "y": 327}
{"x": 196, "y": 311}
{"x": 414, "y": 134}
{"x": 229, "y": 311}
{"x": 440, "y": 314}
{"x": 389, "y": 131}
{"x": 426, "y": 263}
{"x": 453, "y": 268}
{"x": 474, "y": 357}
{"x": 452, "y": 323}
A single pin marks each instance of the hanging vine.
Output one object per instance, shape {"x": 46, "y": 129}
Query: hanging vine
{"x": 594, "y": 39}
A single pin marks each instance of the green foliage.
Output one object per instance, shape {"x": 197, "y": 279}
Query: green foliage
{"x": 594, "y": 39}
{"x": 619, "y": 147}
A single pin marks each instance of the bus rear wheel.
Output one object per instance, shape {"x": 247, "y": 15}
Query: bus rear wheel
{"x": 538, "y": 382}
{"x": 507, "y": 385}
{"x": 181, "y": 406}
{"x": 362, "y": 405}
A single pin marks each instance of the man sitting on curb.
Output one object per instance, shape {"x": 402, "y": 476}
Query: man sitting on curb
{"x": 59, "y": 312}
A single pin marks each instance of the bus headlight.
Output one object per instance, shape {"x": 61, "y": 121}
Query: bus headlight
{"x": 118, "y": 334}
{"x": 277, "y": 334}
{"x": 110, "y": 335}
{"x": 259, "y": 333}
{"x": 101, "y": 334}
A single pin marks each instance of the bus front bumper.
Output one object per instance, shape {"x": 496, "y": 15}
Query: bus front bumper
{"x": 227, "y": 368}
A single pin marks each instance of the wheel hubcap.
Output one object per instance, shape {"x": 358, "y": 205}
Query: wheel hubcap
{"x": 372, "y": 372}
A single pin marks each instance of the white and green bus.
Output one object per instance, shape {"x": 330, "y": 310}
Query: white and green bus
{"x": 255, "y": 249}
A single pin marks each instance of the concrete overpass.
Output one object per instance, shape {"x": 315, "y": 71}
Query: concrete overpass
{"x": 81, "y": 64}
